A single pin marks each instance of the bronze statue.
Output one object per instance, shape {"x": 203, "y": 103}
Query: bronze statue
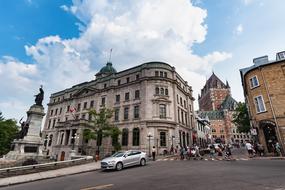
{"x": 39, "y": 97}
{"x": 24, "y": 129}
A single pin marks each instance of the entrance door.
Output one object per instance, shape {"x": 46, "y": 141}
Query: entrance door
{"x": 62, "y": 156}
{"x": 269, "y": 131}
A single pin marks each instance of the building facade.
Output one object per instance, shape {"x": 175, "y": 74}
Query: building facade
{"x": 217, "y": 104}
{"x": 203, "y": 132}
{"x": 153, "y": 106}
{"x": 264, "y": 91}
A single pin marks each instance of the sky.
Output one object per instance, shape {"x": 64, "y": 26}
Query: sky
{"x": 61, "y": 43}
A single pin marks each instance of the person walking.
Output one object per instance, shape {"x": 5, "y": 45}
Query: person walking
{"x": 249, "y": 148}
{"x": 278, "y": 149}
{"x": 153, "y": 153}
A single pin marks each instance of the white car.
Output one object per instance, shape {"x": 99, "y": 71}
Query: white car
{"x": 123, "y": 159}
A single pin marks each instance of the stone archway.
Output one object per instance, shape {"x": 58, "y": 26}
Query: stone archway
{"x": 269, "y": 131}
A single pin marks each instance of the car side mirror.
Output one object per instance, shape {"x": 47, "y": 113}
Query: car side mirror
{"x": 125, "y": 156}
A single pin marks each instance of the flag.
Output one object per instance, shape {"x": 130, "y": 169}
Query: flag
{"x": 72, "y": 109}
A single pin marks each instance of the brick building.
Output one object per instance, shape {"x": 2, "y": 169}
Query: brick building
{"x": 264, "y": 91}
{"x": 217, "y": 104}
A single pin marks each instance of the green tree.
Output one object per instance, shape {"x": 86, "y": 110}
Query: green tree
{"x": 101, "y": 128}
{"x": 241, "y": 118}
{"x": 8, "y": 131}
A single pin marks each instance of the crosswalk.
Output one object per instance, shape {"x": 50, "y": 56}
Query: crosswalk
{"x": 202, "y": 159}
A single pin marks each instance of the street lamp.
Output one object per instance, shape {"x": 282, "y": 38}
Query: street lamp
{"x": 74, "y": 137}
{"x": 149, "y": 136}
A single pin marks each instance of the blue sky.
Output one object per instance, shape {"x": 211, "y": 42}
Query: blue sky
{"x": 62, "y": 43}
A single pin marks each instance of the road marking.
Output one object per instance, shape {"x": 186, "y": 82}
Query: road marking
{"x": 98, "y": 187}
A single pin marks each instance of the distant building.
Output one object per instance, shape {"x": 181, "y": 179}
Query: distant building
{"x": 203, "y": 132}
{"x": 217, "y": 104}
{"x": 264, "y": 91}
{"x": 153, "y": 106}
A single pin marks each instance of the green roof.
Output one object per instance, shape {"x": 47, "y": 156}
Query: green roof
{"x": 108, "y": 69}
{"x": 212, "y": 115}
{"x": 229, "y": 103}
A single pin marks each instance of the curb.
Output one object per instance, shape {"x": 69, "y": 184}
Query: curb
{"x": 8, "y": 181}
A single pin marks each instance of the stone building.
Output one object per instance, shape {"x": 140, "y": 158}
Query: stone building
{"x": 153, "y": 106}
{"x": 264, "y": 91}
{"x": 216, "y": 103}
{"x": 203, "y": 132}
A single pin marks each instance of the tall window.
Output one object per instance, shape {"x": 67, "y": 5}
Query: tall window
{"x": 49, "y": 122}
{"x": 136, "y": 137}
{"x": 137, "y": 77}
{"x": 103, "y": 101}
{"x": 156, "y": 73}
{"x": 68, "y": 108}
{"x": 162, "y": 138}
{"x": 119, "y": 82}
{"x": 156, "y": 90}
{"x": 162, "y": 91}
{"x": 137, "y": 94}
{"x": 125, "y": 137}
{"x": 259, "y": 104}
{"x": 126, "y": 113}
{"x": 128, "y": 79}
{"x": 127, "y": 96}
{"x": 60, "y": 111}
{"x": 161, "y": 74}
{"x": 78, "y": 107}
{"x": 50, "y": 140}
{"x": 162, "y": 111}
{"x": 178, "y": 111}
{"x": 56, "y": 111}
{"x": 166, "y": 92}
{"x": 92, "y": 104}
{"x": 136, "y": 112}
{"x": 117, "y": 112}
{"x": 118, "y": 98}
{"x": 85, "y": 105}
{"x": 254, "y": 82}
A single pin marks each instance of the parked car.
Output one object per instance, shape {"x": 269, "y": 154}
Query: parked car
{"x": 123, "y": 159}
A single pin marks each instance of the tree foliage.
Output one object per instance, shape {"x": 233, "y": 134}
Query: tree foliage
{"x": 241, "y": 118}
{"x": 8, "y": 131}
{"x": 101, "y": 126}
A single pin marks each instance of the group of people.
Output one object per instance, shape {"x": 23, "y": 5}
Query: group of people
{"x": 254, "y": 149}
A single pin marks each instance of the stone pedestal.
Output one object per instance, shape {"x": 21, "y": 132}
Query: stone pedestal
{"x": 31, "y": 146}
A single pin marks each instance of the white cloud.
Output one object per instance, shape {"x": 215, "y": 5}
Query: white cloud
{"x": 138, "y": 31}
{"x": 238, "y": 30}
{"x": 247, "y": 2}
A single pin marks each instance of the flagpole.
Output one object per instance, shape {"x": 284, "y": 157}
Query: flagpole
{"x": 110, "y": 55}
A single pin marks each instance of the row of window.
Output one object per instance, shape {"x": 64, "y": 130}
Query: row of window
{"x": 182, "y": 102}
{"x": 127, "y": 96}
{"x": 160, "y": 74}
{"x": 241, "y": 136}
{"x": 161, "y": 91}
{"x": 182, "y": 116}
{"x": 258, "y": 100}
{"x": 126, "y": 113}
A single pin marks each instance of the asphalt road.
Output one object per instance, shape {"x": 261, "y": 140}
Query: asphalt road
{"x": 193, "y": 175}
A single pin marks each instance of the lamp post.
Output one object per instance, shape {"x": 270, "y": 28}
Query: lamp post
{"x": 149, "y": 136}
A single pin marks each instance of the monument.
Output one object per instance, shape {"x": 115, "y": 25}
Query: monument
{"x": 28, "y": 144}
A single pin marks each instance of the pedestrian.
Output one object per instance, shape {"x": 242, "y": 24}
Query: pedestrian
{"x": 181, "y": 153}
{"x": 171, "y": 149}
{"x": 212, "y": 151}
{"x": 260, "y": 149}
{"x": 153, "y": 153}
{"x": 278, "y": 149}
{"x": 249, "y": 148}
{"x": 228, "y": 152}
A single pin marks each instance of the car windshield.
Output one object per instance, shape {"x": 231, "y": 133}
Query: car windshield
{"x": 118, "y": 154}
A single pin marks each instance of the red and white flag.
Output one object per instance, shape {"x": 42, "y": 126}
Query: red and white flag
{"x": 72, "y": 109}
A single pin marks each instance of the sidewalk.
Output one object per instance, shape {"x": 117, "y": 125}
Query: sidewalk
{"x": 49, "y": 174}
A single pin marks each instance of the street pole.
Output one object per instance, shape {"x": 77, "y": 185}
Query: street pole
{"x": 149, "y": 136}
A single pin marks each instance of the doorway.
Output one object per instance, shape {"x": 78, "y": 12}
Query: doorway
{"x": 269, "y": 131}
{"x": 62, "y": 155}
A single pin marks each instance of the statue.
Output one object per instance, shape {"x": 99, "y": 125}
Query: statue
{"x": 24, "y": 129}
{"x": 39, "y": 97}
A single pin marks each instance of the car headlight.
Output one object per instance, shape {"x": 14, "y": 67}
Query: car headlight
{"x": 111, "y": 162}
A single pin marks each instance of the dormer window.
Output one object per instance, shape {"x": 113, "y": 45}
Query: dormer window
{"x": 254, "y": 82}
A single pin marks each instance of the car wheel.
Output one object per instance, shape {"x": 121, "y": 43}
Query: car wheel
{"x": 143, "y": 162}
{"x": 119, "y": 166}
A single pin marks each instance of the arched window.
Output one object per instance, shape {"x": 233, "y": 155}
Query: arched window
{"x": 136, "y": 137}
{"x": 166, "y": 92}
{"x": 156, "y": 90}
{"x": 50, "y": 140}
{"x": 162, "y": 91}
{"x": 125, "y": 137}
{"x": 213, "y": 130}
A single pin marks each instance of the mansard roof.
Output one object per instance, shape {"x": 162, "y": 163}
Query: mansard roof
{"x": 212, "y": 115}
{"x": 229, "y": 103}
